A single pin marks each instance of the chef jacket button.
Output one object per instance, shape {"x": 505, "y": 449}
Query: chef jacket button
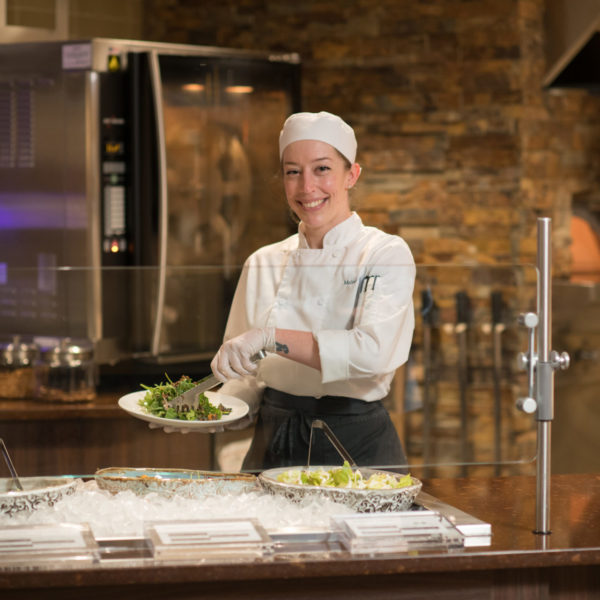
{"x": 337, "y": 253}
{"x": 320, "y": 301}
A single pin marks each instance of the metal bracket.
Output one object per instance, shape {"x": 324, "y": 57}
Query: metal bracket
{"x": 527, "y": 362}
{"x": 539, "y": 374}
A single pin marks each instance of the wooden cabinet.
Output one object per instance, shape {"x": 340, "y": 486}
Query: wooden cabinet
{"x": 60, "y": 439}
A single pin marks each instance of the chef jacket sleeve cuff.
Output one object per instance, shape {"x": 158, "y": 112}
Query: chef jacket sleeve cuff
{"x": 335, "y": 355}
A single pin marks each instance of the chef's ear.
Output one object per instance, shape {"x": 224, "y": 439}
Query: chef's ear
{"x": 353, "y": 175}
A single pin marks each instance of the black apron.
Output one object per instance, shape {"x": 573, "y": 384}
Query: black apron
{"x": 282, "y": 432}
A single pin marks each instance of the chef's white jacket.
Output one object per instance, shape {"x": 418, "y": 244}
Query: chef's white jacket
{"x": 354, "y": 295}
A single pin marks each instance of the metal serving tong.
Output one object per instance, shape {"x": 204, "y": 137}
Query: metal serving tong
{"x": 191, "y": 399}
{"x": 10, "y": 465}
{"x": 331, "y": 437}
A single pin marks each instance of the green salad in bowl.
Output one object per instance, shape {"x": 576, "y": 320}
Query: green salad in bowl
{"x": 362, "y": 489}
{"x": 345, "y": 477}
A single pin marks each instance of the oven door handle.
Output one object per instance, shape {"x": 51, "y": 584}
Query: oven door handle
{"x": 163, "y": 200}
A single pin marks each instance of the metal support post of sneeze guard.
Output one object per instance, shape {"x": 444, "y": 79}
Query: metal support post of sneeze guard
{"x": 541, "y": 367}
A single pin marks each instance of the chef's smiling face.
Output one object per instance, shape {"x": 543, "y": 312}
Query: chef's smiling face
{"x": 316, "y": 181}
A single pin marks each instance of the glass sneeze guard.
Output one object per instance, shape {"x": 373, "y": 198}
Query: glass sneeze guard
{"x": 453, "y": 403}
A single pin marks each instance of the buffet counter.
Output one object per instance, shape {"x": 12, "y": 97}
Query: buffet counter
{"x": 515, "y": 564}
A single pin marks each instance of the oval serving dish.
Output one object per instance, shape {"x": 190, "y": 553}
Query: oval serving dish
{"x": 169, "y": 482}
{"x": 365, "y": 500}
{"x": 38, "y": 492}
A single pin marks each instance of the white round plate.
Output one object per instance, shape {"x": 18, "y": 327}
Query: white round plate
{"x": 130, "y": 403}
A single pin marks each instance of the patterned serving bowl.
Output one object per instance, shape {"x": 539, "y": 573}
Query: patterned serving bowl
{"x": 182, "y": 482}
{"x": 365, "y": 500}
{"x": 37, "y": 492}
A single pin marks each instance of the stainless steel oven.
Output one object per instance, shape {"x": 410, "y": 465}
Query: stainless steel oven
{"x": 135, "y": 178}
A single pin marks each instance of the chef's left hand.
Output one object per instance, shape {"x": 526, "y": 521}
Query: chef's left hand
{"x": 235, "y": 425}
{"x": 234, "y": 358}
{"x": 168, "y": 429}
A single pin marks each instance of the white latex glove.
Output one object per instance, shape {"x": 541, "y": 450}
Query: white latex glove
{"x": 234, "y": 358}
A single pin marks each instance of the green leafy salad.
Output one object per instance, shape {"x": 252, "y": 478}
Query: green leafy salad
{"x": 157, "y": 398}
{"x": 345, "y": 477}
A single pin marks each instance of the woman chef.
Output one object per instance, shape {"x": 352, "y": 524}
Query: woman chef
{"x": 331, "y": 305}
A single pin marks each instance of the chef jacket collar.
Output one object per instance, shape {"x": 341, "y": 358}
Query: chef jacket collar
{"x": 340, "y": 235}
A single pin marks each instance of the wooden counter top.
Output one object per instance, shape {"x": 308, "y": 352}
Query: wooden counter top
{"x": 509, "y": 504}
{"x": 518, "y": 564}
{"x": 104, "y": 406}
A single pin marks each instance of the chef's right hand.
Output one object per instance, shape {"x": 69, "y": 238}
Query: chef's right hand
{"x": 235, "y": 357}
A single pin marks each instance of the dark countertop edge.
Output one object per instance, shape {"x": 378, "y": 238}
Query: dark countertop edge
{"x": 104, "y": 406}
{"x": 297, "y": 569}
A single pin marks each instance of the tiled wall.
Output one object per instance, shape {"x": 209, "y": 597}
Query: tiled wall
{"x": 84, "y": 18}
{"x": 31, "y": 13}
{"x": 109, "y": 18}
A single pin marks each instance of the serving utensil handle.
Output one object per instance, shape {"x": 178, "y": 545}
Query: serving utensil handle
{"x": 10, "y": 465}
{"x": 319, "y": 424}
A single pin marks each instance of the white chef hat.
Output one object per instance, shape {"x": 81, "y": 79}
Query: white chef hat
{"x": 321, "y": 126}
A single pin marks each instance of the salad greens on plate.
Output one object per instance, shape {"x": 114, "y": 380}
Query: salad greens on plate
{"x": 345, "y": 477}
{"x": 157, "y": 398}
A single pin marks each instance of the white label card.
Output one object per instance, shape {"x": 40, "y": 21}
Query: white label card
{"x": 76, "y": 56}
{"x": 47, "y": 539}
{"x": 206, "y": 533}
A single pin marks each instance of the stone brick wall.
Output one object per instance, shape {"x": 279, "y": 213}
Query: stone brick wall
{"x": 461, "y": 147}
